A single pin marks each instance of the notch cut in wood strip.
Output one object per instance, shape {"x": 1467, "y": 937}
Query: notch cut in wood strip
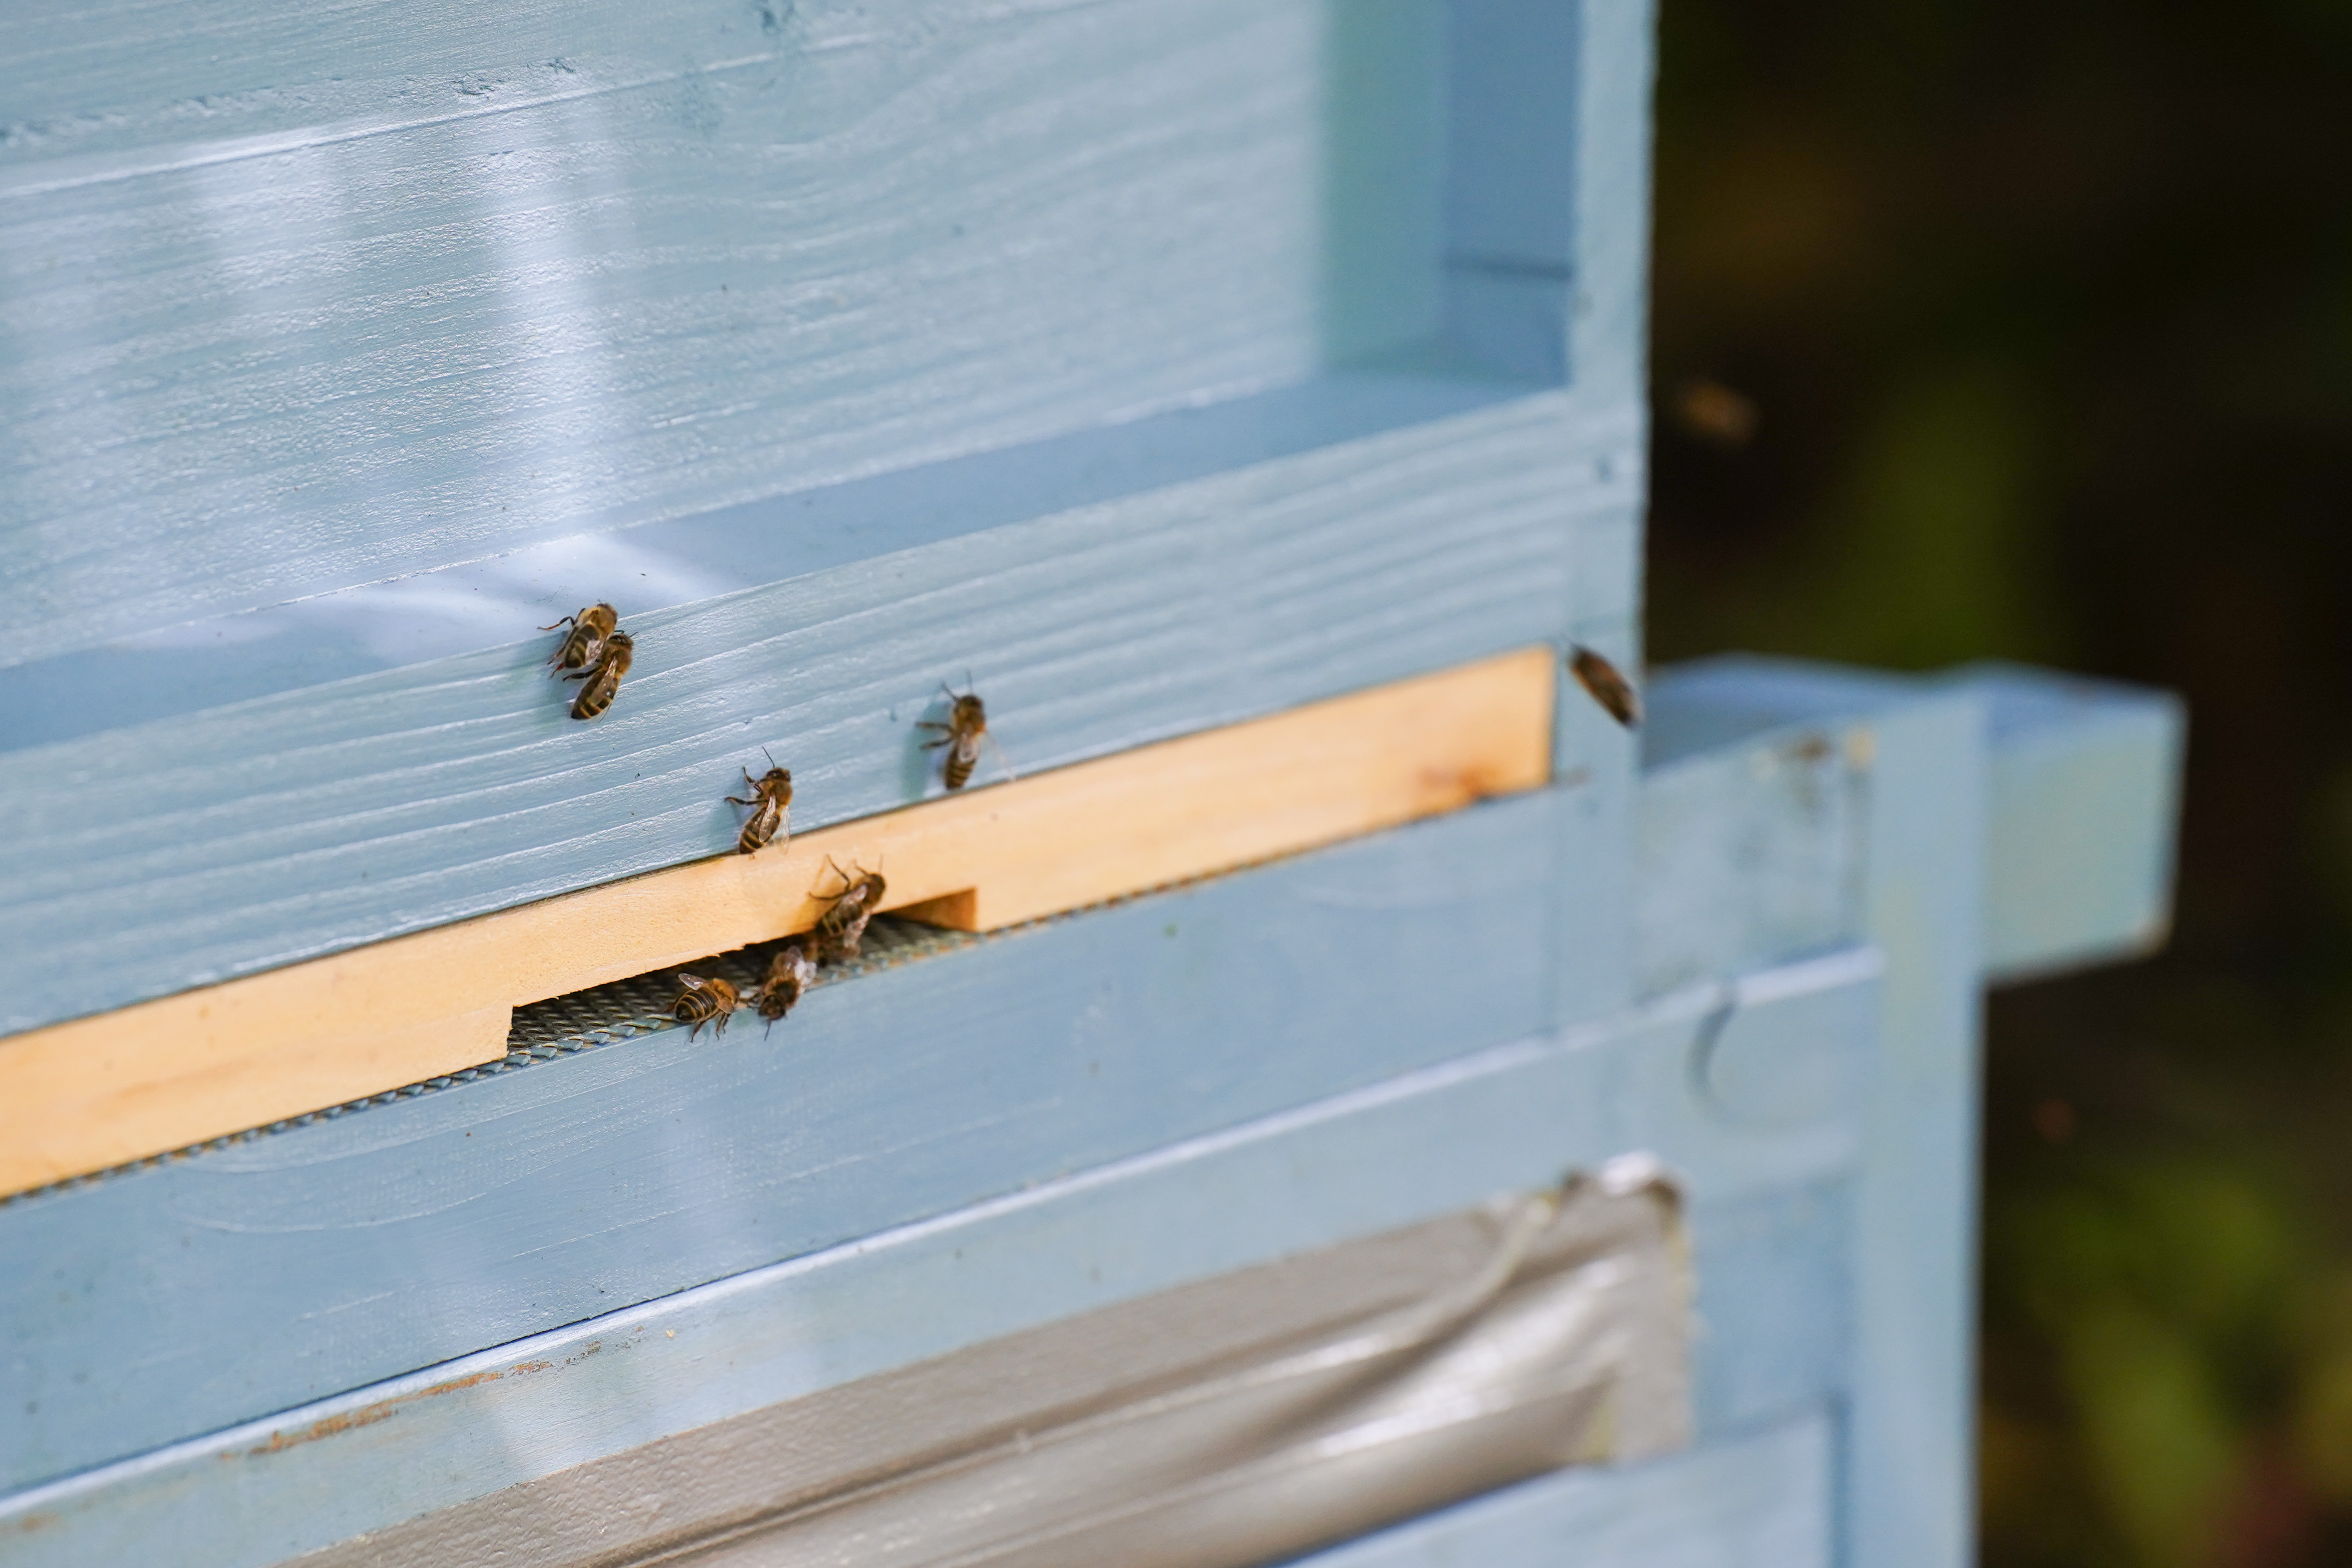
{"x": 101, "y": 1091}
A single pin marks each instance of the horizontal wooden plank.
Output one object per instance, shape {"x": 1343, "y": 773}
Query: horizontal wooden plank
{"x": 2085, "y": 795}
{"x": 323, "y": 818}
{"x": 334, "y": 1254}
{"x": 1755, "y": 797}
{"x": 1395, "y": 1151}
{"x": 328, "y": 1255}
{"x": 100, "y": 1091}
{"x": 211, "y": 661}
{"x": 435, "y": 290}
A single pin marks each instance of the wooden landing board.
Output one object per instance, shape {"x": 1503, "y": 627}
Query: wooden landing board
{"x": 99, "y": 1092}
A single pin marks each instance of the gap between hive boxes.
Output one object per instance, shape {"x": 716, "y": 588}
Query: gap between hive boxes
{"x": 121, "y": 1086}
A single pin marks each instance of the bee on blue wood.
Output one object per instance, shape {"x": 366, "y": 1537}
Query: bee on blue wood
{"x": 701, "y": 1001}
{"x": 1612, "y": 690}
{"x": 967, "y": 724}
{"x": 604, "y": 677}
{"x": 771, "y": 808}
{"x": 590, "y": 627}
{"x": 790, "y": 975}
{"x": 842, "y": 926}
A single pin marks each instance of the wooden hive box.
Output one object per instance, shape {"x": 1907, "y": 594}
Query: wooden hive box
{"x": 1245, "y": 397}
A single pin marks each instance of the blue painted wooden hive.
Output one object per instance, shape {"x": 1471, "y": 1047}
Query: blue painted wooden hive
{"x": 1169, "y": 371}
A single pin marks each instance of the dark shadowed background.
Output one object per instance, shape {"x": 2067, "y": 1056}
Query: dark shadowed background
{"x": 2025, "y": 330}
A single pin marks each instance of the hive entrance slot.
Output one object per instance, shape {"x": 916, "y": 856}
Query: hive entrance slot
{"x": 623, "y": 1010}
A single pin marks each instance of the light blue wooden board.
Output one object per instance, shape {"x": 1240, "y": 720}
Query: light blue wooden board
{"x": 1750, "y": 852}
{"x": 1924, "y": 857}
{"x": 1776, "y": 1303}
{"x": 322, "y": 818}
{"x": 1763, "y": 1501}
{"x": 287, "y": 311}
{"x": 476, "y": 604}
{"x": 2086, "y": 802}
{"x": 1751, "y": 812}
{"x": 1388, "y": 1153}
{"x": 328, "y": 1256}
{"x": 1548, "y": 195}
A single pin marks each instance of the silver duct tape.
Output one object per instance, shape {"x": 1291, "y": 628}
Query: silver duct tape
{"x": 1237, "y": 1420}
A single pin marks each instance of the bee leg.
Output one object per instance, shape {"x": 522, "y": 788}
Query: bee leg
{"x": 935, "y": 744}
{"x": 738, "y": 800}
{"x": 552, "y": 625}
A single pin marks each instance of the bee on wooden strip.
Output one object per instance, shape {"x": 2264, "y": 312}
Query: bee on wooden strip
{"x": 1611, "y": 689}
{"x": 701, "y": 1001}
{"x": 967, "y": 723}
{"x": 604, "y": 677}
{"x": 790, "y": 975}
{"x": 579, "y": 651}
{"x": 842, "y": 926}
{"x": 772, "y": 804}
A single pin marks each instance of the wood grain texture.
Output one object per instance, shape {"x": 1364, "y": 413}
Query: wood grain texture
{"x": 289, "y": 308}
{"x": 101, "y": 1091}
{"x": 328, "y": 817}
{"x": 1397, "y": 1151}
{"x": 334, "y": 1254}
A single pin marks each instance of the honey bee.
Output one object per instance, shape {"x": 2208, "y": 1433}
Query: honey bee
{"x": 842, "y": 926}
{"x": 771, "y": 799}
{"x": 700, "y": 1002}
{"x": 586, "y": 641}
{"x": 1612, "y": 690}
{"x": 789, "y": 976}
{"x": 967, "y": 723}
{"x": 604, "y": 677}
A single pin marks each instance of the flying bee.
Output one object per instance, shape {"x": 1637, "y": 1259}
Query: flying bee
{"x": 772, "y": 803}
{"x": 700, "y": 1002}
{"x": 789, "y": 977}
{"x": 842, "y": 926}
{"x": 590, "y": 628}
{"x": 1612, "y": 690}
{"x": 604, "y": 677}
{"x": 967, "y": 723}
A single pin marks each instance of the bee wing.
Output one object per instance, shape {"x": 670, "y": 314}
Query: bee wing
{"x": 1001, "y": 761}
{"x": 692, "y": 982}
{"x": 603, "y": 681}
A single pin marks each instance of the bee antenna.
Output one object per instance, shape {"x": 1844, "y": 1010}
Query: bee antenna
{"x": 769, "y": 754}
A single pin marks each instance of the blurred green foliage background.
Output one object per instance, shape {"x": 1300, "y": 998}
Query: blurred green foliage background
{"x": 2026, "y": 330}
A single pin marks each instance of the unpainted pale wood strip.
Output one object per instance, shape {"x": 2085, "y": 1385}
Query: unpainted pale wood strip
{"x": 99, "y": 1092}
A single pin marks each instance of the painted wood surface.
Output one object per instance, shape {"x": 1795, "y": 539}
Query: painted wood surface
{"x": 1924, "y": 854}
{"x": 2086, "y": 800}
{"x": 295, "y": 306}
{"x": 321, "y": 818}
{"x": 1394, "y": 1152}
{"x": 1755, "y": 796}
{"x": 1761, "y": 1501}
{"x": 1750, "y": 851}
{"x": 101, "y": 1091}
{"x": 346, "y": 1251}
